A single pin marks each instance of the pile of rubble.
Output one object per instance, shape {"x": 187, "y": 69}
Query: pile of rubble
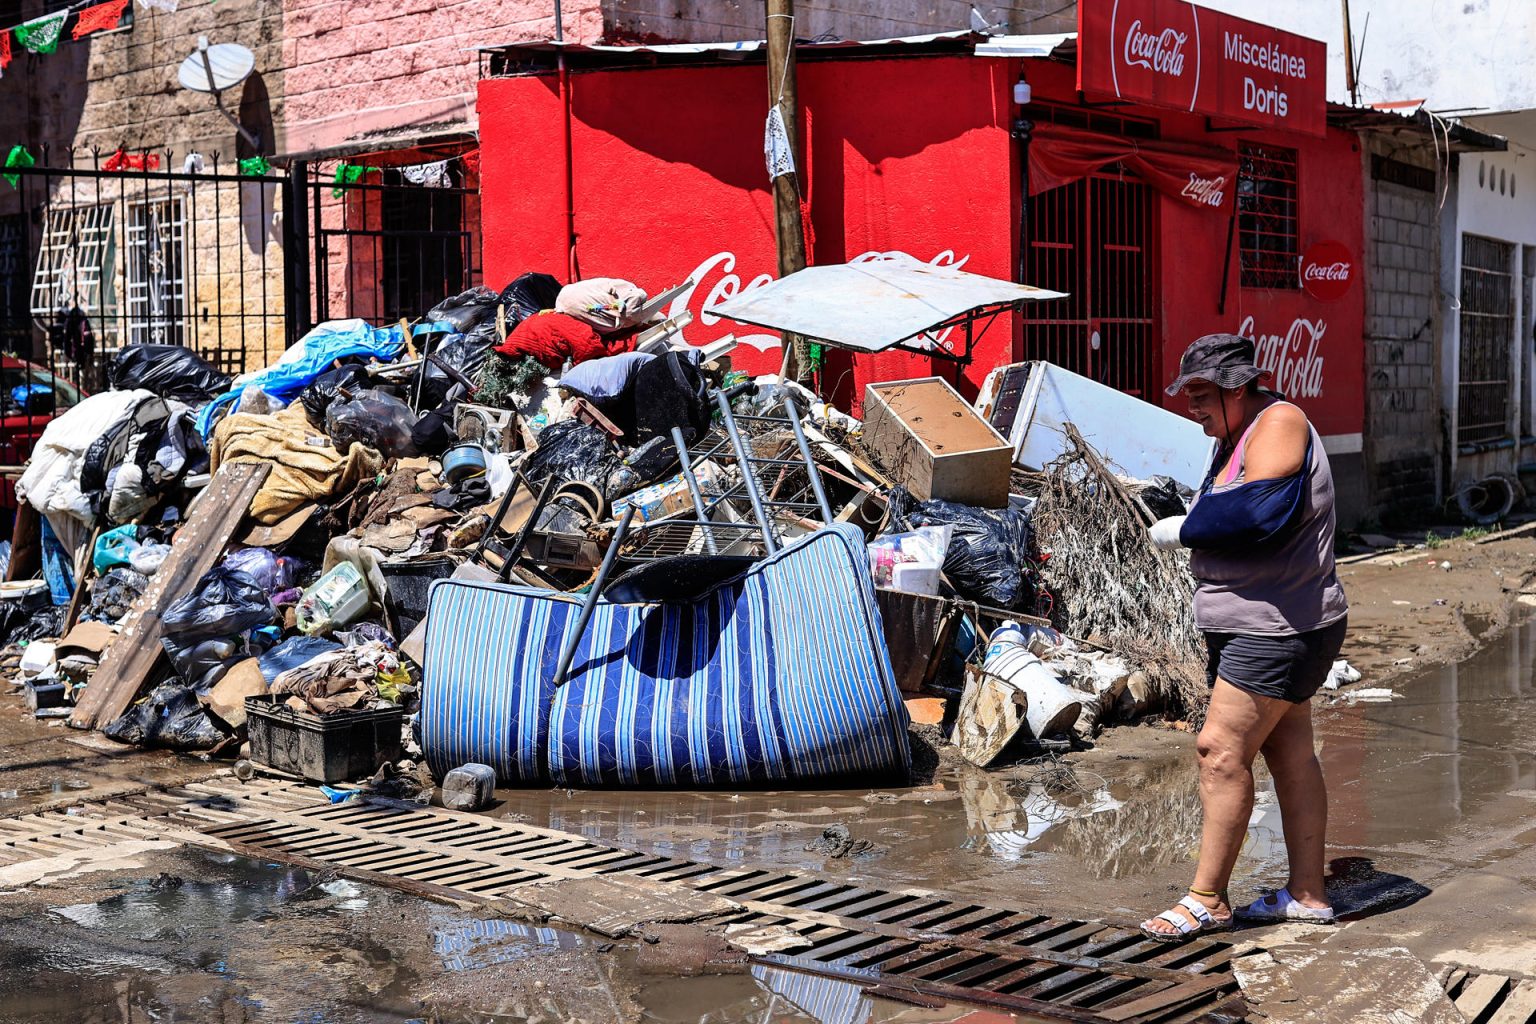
{"x": 538, "y": 530}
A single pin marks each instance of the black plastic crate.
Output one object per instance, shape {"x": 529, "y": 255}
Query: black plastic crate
{"x": 322, "y": 748}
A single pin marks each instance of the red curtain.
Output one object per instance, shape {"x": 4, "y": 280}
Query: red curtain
{"x": 1195, "y": 175}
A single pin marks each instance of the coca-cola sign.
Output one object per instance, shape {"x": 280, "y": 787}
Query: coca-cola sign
{"x": 1162, "y": 52}
{"x": 1173, "y": 54}
{"x": 1294, "y": 357}
{"x": 1326, "y": 270}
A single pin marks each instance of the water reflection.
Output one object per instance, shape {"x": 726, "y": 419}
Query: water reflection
{"x": 1459, "y": 739}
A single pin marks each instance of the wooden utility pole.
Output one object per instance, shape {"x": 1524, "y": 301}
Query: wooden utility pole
{"x": 786, "y": 193}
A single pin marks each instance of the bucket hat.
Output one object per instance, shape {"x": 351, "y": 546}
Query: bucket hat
{"x": 1225, "y": 360}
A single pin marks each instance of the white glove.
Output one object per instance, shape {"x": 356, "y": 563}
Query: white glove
{"x": 1165, "y": 533}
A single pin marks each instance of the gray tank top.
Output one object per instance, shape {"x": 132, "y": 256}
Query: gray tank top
{"x": 1282, "y": 589}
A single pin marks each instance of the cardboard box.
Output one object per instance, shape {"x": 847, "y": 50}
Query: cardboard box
{"x": 935, "y": 444}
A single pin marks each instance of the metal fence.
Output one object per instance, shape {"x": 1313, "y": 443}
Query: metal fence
{"x": 382, "y": 246}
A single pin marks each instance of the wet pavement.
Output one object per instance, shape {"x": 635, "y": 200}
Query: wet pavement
{"x": 1431, "y": 829}
{"x": 217, "y": 938}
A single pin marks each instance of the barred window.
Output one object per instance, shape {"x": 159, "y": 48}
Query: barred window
{"x": 1268, "y": 227}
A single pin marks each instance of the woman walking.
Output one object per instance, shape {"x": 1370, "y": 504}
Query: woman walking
{"x": 1269, "y": 603}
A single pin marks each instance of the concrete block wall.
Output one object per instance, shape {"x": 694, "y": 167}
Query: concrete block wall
{"x": 1404, "y": 443}
{"x": 728, "y": 20}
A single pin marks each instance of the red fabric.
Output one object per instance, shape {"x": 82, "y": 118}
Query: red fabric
{"x": 1201, "y": 177}
{"x": 99, "y": 17}
{"x": 5, "y": 49}
{"x": 123, "y": 160}
{"x": 552, "y": 338}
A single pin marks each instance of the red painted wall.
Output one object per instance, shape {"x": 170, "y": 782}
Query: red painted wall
{"x": 909, "y": 155}
{"x": 901, "y": 154}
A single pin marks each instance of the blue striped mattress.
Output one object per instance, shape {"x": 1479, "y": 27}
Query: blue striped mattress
{"x": 779, "y": 675}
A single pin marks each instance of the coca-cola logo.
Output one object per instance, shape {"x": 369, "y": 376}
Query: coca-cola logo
{"x": 1295, "y": 357}
{"x": 1154, "y": 51}
{"x": 1162, "y": 52}
{"x": 1207, "y": 191}
{"x": 1326, "y": 270}
{"x": 715, "y": 280}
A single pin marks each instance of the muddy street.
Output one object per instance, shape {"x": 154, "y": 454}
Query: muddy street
{"x": 1431, "y": 794}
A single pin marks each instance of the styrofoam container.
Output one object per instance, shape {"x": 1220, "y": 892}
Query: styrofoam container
{"x": 915, "y": 578}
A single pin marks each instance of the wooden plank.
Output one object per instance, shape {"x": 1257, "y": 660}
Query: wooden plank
{"x": 1519, "y": 1008}
{"x": 1479, "y": 994}
{"x": 197, "y": 546}
{"x": 1168, "y": 998}
{"x": 83, "y": 573}
{"x": 26, "y": 544}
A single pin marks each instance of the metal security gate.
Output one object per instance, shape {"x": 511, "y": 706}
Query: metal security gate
{"x": 1487, "y": 321}
{"x": 1093, "y": 239}
{"x": 385, "y": 247}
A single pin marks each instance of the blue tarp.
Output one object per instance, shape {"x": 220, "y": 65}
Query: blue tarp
{"x": 312, "y": 356}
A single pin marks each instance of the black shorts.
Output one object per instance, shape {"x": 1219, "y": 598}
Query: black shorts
{"x": 1290, "y": 668}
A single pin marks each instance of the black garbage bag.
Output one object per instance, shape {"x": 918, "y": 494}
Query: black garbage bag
{"x": 1164, "y": 496}
{"x": 319, "y": 393}
{"x": 669, "y": 391}
{"x": 225, "y": 602}
{"x": 453, "y": 364}
{"x": 529, "y": 294}
{"x": 170, "y": 371}
{"x": 374, "y": 418}
{"x": 575, "y": 451}
{"x": 28, "y": 618}
{"x": 171, "y": 716}
{"x": 472, "y": 312}
{"x": 989, "y": 557}
{"x": 114, "y": 593}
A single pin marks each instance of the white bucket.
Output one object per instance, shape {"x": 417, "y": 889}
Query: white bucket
{"x": 1053, "y": 706}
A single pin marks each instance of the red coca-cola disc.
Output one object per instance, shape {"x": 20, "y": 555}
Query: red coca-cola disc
{"x": 1327, "y": 270}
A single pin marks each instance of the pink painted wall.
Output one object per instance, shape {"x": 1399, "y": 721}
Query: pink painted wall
{"x": 372, "y": 65}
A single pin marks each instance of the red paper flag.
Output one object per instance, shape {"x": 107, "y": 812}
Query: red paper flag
{"x": 99, "y": 18}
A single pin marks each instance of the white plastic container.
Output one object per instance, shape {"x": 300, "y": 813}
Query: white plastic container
{"x": 915, "y": 578}
{"x": 1053, "y": 706}
{"x": 469, "y": 787}
{"x": 337, "y": 599}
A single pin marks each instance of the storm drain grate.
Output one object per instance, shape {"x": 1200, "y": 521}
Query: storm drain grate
{"x": 907, "y": 944}
{"x": 1491, "y": 998}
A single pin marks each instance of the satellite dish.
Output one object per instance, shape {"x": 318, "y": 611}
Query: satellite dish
{"x": 215, "y": 68}
{"x": 212, "y": 69}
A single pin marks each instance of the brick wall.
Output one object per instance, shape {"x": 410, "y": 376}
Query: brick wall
{"x": 1403, "y": 417}
{"x": 366, "y": 66}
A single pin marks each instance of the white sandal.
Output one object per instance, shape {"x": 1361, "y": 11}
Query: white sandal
{"x": 1203, "y": 922}
{"x": 1282, "y": 906}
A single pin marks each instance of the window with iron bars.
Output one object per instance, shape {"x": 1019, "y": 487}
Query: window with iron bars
{"x": 1267, "y": 224}
{"x": 122, "y": 264}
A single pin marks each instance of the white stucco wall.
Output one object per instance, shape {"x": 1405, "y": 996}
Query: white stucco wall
{"x": 1455, "y": 54}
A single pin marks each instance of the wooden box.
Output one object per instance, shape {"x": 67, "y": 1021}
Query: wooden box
{"x": 935, "y": 444}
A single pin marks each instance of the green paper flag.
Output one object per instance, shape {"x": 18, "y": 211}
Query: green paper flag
{"x": 255, "y": 166}
{"x": 19, "y": 157}
{"x": 349, "y": 174}
{"x": 42, "y": 35}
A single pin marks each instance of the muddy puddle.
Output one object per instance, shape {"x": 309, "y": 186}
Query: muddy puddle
{"x": 1458, "y": 745}
{"x": 206, "y": 937}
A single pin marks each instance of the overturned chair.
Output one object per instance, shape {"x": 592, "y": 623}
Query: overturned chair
{"x": 779, "y": 674}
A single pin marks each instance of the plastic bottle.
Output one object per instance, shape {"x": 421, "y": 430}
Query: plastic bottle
{"x": 337, "y": 599}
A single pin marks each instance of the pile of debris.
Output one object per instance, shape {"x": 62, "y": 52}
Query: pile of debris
{"x": 540, "y": 532}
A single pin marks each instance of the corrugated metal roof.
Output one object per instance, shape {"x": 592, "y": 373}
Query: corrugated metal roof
{"x": 744, "y": 46}
{"x": 875, "y": 305}
{"x": 1056, "y": 44}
